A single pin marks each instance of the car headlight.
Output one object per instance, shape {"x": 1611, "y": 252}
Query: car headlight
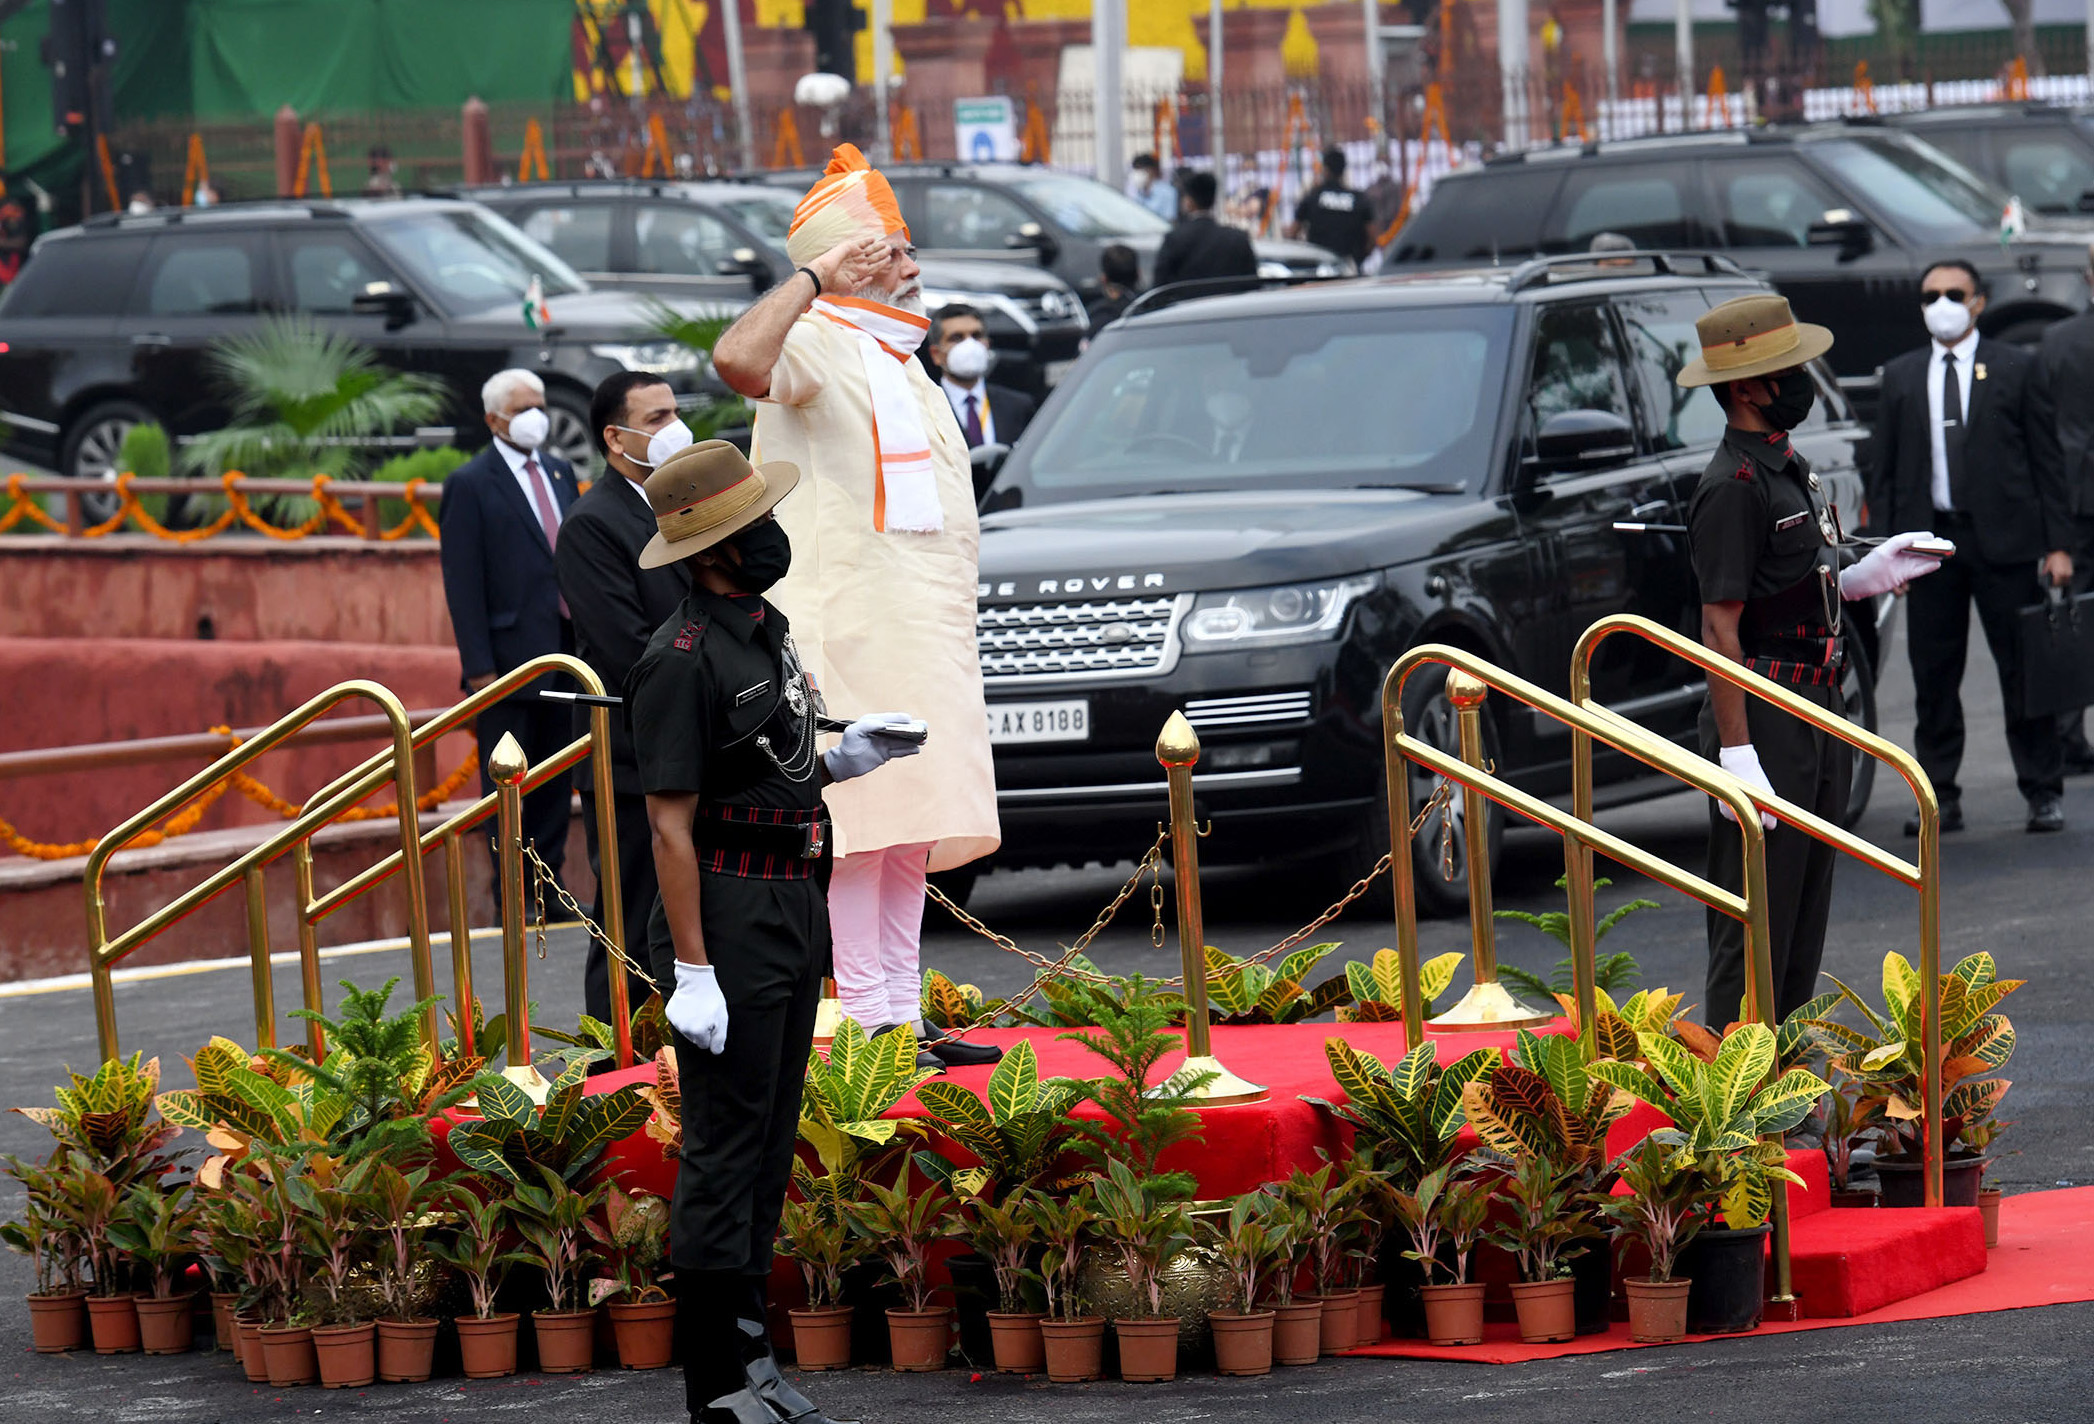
{"x": 1270, "y": 268}
{"x": 658, "y": 358}
{"x": 1331, "y": 269}
{"x": 1272, "y": 617}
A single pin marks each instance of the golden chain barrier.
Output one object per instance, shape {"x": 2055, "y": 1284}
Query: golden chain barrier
{"x": 567, "y": 901}
{"x": 24, "y": 506}
{"x": 187, "y": 819}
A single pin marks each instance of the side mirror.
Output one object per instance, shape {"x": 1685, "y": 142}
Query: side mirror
{"x": 1034, "y": 236}
{"x": 386, "y": 300}
{"x": 987, "y": 461}
{"x": 1582, "y": 440}
{"x": 1840, "y": 228}
{"x": 744, "y": 262}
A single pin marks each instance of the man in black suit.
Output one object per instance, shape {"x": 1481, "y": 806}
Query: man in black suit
{"x": 500, "y": 521}
{"x": 988, "y": 414}
{"x": 1967, "y": 445}
{"x": 2068, "y": 367}
{"x": 1199, "y": 247}
{"x": 616, "y": 606}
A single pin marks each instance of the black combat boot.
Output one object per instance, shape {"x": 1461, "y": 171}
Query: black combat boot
{"x": 760, "y": 1364}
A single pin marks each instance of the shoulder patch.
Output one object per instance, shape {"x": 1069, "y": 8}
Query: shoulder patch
{"x": 1744, "y": 471}
{"x": 688, "y": 635}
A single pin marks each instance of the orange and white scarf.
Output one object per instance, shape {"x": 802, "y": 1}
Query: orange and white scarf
{"x": 905, "y": 490}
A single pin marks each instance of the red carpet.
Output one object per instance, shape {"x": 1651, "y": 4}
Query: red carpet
{"x": 2046, "y": 1240}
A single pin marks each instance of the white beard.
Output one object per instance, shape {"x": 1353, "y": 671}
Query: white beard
{"x": 909, "y": 299}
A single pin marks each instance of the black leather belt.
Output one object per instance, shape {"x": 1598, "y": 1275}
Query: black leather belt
{"x": 762, "y": 830}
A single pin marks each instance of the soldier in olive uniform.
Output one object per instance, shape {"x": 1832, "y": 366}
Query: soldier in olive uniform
{"x": 724, "y": 728}
{"x": 1767, "y": 550}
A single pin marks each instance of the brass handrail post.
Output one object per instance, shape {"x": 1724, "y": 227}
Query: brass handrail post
{"x": 1402, "y": 869}
{"x": 1488, "y": 1004}
{"x": 1932, "y": 1147}
{"x": 308, "y": 948}
{"x": 608, "y": 880}
{"x": 461, "y": 940}
{"x": 258, "y": 958}
{"x": 1178, "y": 749}
{"x": 1584, "y": 935}
{"x": 507, "y": 767}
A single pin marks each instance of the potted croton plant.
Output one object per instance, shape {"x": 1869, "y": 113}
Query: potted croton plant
{"x": 92, "y": 1207}
{"x": 1325, "y": 1205}
{"x": 901, "y": 1226}
{"x": 1003, "y": 1233}
{"x": 824, "y": 1246}
{"x": 339, "y": 1239}
{"x": 634, "y": 1236}
{"x": 1544, "y": 1218}
{"x": 157, "y": 1231}
{"x": 1072, "y": 1342}
{"x": 554, "y": 1218}
{"x": 1666, "y": 1205}
{"x": 1445, "y": 1218}
{"x": 405, "y": 1208}
{"x": 58, "y": 1302}
{"x": 1144, "y": 1222}
{"x": 1255, "y": 1240}
{"x": 486, "y": 1338}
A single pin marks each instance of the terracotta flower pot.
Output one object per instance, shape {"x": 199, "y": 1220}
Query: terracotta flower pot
{"x": 167, "y": 1324}
{"x": 1074, "y": 1349}
{"x": 406, "y": 1350}
{"x": 1148, "y": 1349}
{"x": 1297, "y": 1332}
{"x": 1341, "y": 1322}
{"x": 346, "y": 1354}
{"x": 252, "y": 1361}
{"x": 112, "y": 1322}
{"x": 1242, "y": 1342}
{"x": 822, "y": 1338}
{"x": 919, "y": 1338}
{"x": 487, "y": 1348}
{"x": 1370, "y": 1313}
{"x": 1657, "y": 1310}
{"x": 58, "y": 1322}
{"x": 1988, "y": 1210}
{"x": 1454, "y": 1314}
{"x": 646, "y": 1333}
{"x": 1016, "y": 1342}
{"x": 1548, "y": 1310}
{"x": 288, "y": 1351}
{"x": 566, "y": 1340}
{"x": 222, "y": 1319}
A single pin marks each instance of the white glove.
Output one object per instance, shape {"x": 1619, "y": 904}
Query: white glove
{"x": 1886, "y": 568}
{"x": 697, "y": 1010}
{"x": 861, "y": 751}
{"x": 1741, "y": 762}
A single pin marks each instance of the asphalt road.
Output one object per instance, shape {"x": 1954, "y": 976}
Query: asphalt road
{"x": 2026, "y": 899}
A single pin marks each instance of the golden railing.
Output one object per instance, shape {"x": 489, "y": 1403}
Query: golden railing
{"x": 1923, "y": 876}
{"x": 395, "y": 764}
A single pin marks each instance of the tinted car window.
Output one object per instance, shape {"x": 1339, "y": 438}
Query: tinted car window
{"x": 1577, "y": 364}
{"x": 193, "y": 274}
{"x": 770, "y": 219}
{"x": 680, "y": 241}
{"x": 1491, "y": 217}
{"x": 1086, "y": 208}
{"x": 1650, "y": 204}
{"x": 327, "y": 270}
{"x": 76, "y": 278}
{"x": 580, "y": 234}
{"x": 1919, "y": 192}
{"x": 1769, "y": 202}
{"x": 1315, "y": 400}
{"x": 1662, "y": 340}
{"x": 956, "y": 216}
{"x": 471, "y": 261}
{"x": 2046, "y": 173}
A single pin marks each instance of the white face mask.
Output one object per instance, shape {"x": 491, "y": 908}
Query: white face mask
{"x": 1948, "y": 320}
{"x": 528, "y": 428}
{"x": 967, "y": 360}
{"x": 661, "y": 445}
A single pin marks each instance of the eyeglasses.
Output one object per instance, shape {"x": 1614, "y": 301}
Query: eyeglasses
{"x": 1954, "y": 294}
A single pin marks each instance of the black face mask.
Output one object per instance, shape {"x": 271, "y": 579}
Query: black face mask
{"x": 1794, "y": 395}
{"x": 766, "y": 554}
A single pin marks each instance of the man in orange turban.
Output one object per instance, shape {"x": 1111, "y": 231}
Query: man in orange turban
{"x": 882, "y": 588}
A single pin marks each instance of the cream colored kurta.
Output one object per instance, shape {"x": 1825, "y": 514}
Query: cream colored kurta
{"x": 885, "y": 622}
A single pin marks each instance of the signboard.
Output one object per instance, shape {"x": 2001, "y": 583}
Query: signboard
{"x": 986, "y": 130}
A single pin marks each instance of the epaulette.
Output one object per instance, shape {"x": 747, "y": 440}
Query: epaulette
{"x": 1744, "y": 472}
{"x": 688, "y": 635}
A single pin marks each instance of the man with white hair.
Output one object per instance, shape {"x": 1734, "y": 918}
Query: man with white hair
{"x": 500, "y": 522}
{"x": 882, "y": 587}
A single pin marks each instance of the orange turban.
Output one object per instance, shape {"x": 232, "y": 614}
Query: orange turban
{"x": 849, "y": 200}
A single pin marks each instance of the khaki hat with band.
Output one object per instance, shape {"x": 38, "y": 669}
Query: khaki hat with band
{"x": 1752, "y": 336}
{"x": 703, "y": 494}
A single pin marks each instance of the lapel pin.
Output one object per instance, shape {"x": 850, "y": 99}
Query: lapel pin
{"x": 1980, "y": 372}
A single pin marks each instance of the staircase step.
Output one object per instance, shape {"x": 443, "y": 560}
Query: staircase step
{"x": 1851, "y": 1260}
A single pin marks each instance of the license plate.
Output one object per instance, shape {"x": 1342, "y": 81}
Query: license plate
{"x": 1012, "y": 723}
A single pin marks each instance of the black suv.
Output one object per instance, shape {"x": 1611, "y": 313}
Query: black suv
{"x": 2041, "y": 153}
{"x": 1247, "y": 507}
{"x": 711, "y": 239}
{"x": 107, "y": 325}
{"x": 1842, "y": 218}
{"x": 1004, "y": 212}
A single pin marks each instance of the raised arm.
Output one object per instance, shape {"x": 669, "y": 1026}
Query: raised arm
{"x": 748, "y": 351}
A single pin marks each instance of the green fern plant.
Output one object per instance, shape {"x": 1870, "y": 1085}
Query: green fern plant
{"x": 377, "y": 1065}
{"x": 1612, "y": 973}
{"x": 701, "y": 333}
{"x": 1144, "y": 1118}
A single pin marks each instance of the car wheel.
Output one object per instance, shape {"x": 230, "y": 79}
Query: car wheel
{"x": 91, "y": 449}
{"x": 567, "y": 434}
{"x": 1858, "y": 695}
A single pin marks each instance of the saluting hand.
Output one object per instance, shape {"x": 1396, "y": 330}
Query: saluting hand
{"x": 848, "y": 266}
{"x": 697, "y": 1009}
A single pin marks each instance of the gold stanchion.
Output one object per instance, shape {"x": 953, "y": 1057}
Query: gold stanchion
{"x": 1488, "y": 1004}
{"x": 1178, "y": 748}
{"x": 508, "y": 768}
{"x": 461, "y": 940}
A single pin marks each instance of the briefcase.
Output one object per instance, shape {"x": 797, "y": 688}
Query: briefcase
{"x": 2057, "y": 654}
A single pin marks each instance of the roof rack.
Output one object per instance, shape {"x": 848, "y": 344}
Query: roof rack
{"x": 217, "y": 212}
{"x": 1170, "y": 294}
{"x": 1598, "y": 266}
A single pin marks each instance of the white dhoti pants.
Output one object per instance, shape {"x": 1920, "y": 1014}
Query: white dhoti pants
{"x": 876, "y": 928}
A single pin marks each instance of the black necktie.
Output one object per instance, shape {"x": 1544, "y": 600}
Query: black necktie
{"x": 974, "y": 424}
{"x": 1952, "y": 427}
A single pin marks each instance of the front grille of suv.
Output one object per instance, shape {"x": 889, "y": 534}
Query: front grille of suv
{"x": 1111, "y": 637}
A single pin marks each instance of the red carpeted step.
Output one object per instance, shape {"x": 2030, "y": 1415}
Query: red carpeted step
{"x": 1852, "y": 1260}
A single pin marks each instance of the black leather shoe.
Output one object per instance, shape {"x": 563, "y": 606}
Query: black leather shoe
{"x": 956, "y": 1053}
{"x": 2046, "y": 814}
{"x": 741, "y": 1407}
{"x": 761, "y": 1367}
{"x": 1951, "y": 819}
